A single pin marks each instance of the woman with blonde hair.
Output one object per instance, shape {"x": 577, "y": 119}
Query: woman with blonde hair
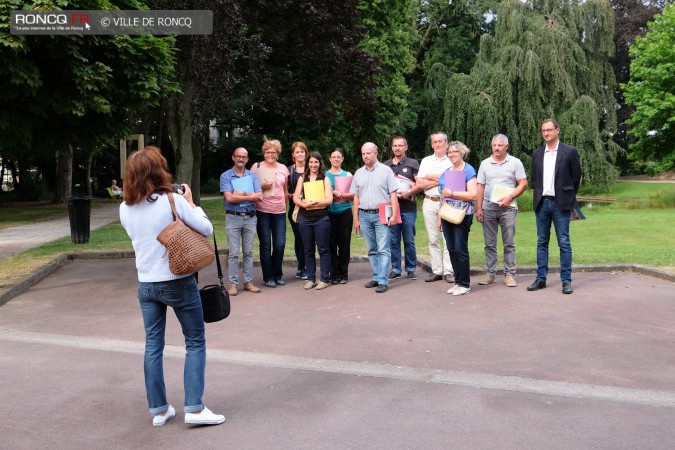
{"x": 271, "y": 214}
{"x": 145, "y": 212}
{"x": 457, "y": 236}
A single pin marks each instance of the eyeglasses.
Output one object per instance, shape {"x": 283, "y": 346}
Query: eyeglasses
{"x": 547, "y": 130}
{"x": 453, "y": 152}
{"x": 272, "y": 152}
{"x": 241, "y": 156}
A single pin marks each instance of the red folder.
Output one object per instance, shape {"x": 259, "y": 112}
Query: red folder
{"x": 385, "y": 213}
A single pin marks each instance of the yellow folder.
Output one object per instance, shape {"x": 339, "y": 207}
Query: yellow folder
{"x": 314, "y": 190}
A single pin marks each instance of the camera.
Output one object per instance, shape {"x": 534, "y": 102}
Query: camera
{"x": 178, "y": 188}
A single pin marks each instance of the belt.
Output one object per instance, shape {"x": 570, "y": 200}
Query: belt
{"x": 235, "y": 213}
{"x": 433, "y": 199}
{"x": 370, "y": 211}
{"x": 550, "y": 197}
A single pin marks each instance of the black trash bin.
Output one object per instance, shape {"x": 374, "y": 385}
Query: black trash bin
{"x": 79, "y": 212}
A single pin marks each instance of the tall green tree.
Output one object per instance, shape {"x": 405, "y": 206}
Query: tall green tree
{"x": 319, "y": 84}
{"x": 206, "y": 70}
{"x": 448, "y": 33}
{"x": 651, "y": 91}
{"x": 631, "y": 17}
{"x": 390, "y": 37}
{"x": 546, "y": 59}
{"x": 65, "y": 94}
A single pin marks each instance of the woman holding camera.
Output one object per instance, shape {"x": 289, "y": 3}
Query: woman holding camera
{"x": 144, "y": 213}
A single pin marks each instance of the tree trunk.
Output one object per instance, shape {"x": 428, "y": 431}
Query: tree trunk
{"x": 196, "y": 166}
{"x": 180, "y": 131}
{"x": 64, "y": 175}
{"x": 87, "y": 181}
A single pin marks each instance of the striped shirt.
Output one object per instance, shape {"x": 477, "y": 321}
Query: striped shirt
{"x": 373, "y": 186}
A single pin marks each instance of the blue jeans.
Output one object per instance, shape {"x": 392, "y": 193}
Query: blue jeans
{"x": 457, "y": 238}
{"x": 377, "y": 243}
{"x": 548, "y": 213}
{"x": 316, "y": 234}
{"x": 272, "y": 237}
{"x": 183, "y": 296}
{"x": 407, "y": 230}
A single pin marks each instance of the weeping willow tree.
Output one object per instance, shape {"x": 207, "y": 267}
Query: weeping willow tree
{"x": 547, "y": 58}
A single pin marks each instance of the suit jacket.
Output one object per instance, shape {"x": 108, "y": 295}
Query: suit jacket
{"x": 566, "y": 179}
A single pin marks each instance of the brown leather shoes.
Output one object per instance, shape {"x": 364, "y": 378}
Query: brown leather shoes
{"x": 251, "y": 288}
{"x": 232, "y": 291}
{"x": 434, "y": 277}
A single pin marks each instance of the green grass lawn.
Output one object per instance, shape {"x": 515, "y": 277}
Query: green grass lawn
{"x": 608, "y": 236}
{"x": 20, "y": 214}
{"x": 630, "y": 190}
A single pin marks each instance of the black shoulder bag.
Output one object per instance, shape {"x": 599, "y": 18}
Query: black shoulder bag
{"x": 215, "y": 299}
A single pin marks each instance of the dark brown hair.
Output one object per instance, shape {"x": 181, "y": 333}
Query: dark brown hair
{"x": 145, "y": 174}
{"x": 322, "y": 170}
{"x": 553, "y": 121}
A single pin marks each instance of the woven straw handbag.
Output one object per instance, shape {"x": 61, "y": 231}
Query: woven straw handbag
{"x": 189, "y": 251}
{"x": 451, "y": 214}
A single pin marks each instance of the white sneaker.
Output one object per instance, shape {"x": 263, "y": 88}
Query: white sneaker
{"x": 452, "y": 289}
{"x": 205, "y": 417}
{"x": 159, "y": 420}
{"x": 459, "y": 290}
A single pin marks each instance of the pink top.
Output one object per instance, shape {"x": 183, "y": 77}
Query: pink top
{"x": 275, "y": 204}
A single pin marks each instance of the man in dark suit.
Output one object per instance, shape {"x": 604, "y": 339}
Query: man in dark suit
{"x": 556, "y": 172}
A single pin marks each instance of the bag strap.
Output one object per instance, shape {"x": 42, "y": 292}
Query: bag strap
{"x": 173, "y": 206}
{"x": 220, "y": 269}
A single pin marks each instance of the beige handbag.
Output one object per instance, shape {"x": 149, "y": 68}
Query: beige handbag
{"x": 452, "y": 214}
{"x": 189, "y": 251}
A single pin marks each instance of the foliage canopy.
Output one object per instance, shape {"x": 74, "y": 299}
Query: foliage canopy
{"x": 651, "y": 91}
{"x": 546, "y": 59}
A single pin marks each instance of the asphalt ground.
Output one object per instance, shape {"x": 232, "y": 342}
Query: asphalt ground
{"x": 347, "y": 368}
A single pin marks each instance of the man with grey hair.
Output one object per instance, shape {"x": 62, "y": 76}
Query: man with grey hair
{"x": 501, "y": 179}
{"x": 373, "y": 184}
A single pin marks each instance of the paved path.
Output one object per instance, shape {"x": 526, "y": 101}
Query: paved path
{"x": 24, "y": 237}
{"x": 348, "y": 368}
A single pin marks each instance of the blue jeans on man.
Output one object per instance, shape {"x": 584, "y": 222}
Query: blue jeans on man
{"x": 548, "y": 213}
{"x": 407, "y": 230}
{"x": 272, "y": 236}
{"x": 376, "y": 235}
{"x": 183, "y": 296}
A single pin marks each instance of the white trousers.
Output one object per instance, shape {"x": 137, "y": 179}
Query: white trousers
{"x": 440, "y": 258}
